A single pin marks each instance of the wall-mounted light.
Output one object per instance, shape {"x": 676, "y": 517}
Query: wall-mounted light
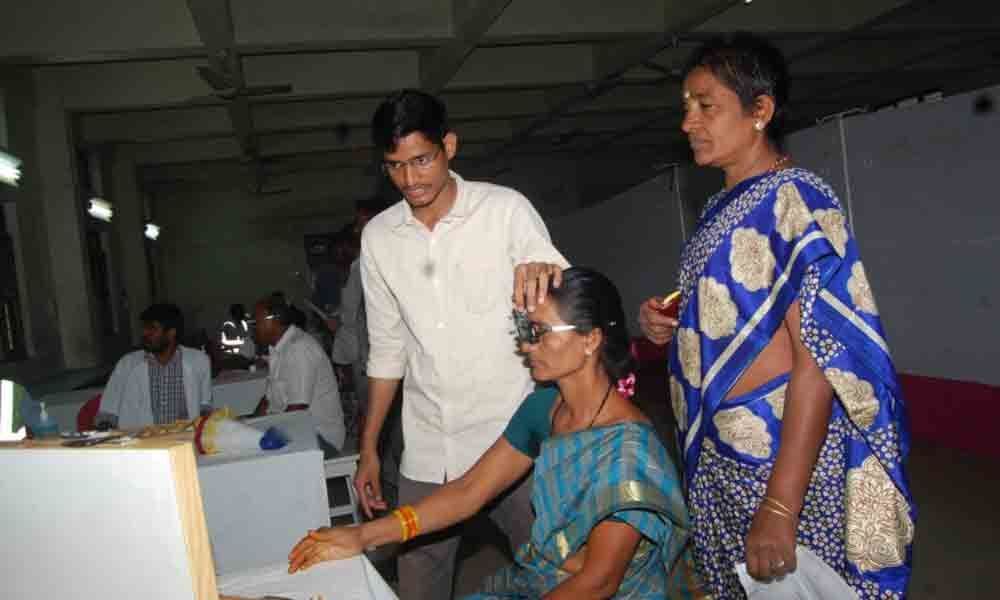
{"x": 10, "y": 169}
{"x": 152, "y": 231}
{"x": 100, "y": 209}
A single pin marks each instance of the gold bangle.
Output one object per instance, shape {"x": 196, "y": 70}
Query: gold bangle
{"x": 777, "y": 512}
{"x": 778, "y": 504}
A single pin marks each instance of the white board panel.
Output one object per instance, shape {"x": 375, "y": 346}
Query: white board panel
{"x": 91, "y": 524}
{"x": 257, "y": 508}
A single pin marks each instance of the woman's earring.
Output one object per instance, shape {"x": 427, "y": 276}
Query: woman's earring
{"x": 588, "y": 352}
{"x": 759, "y": 126}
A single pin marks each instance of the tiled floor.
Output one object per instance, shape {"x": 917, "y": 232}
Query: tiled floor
{"x": 956, "y": 549}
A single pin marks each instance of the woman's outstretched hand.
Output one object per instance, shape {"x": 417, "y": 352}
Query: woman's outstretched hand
{"x": 325, "y": 543}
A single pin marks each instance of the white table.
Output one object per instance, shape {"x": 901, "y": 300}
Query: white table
{"x": 350, "y": 579}
{"x": 239, "y": 390}
{"x": 259, "y": 504}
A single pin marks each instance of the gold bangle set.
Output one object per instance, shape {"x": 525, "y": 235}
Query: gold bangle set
{"x": 771, "y": 505}
{"x": 408, "y": 521}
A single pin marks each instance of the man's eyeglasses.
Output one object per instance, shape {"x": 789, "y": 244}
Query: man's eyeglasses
{"x": 529, "y": 332}
{"x": 424, "y": 161}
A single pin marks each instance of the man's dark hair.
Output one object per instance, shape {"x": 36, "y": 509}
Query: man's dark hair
{"x": 237, "y": 312}
{"x": 278, "y": 307}
{"x": 751, "y": 67}
{"x": 405, "y": 112}
{"x": 167, "y": 315}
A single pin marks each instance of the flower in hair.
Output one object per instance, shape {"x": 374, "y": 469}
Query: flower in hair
{"x": 626, "y": 385}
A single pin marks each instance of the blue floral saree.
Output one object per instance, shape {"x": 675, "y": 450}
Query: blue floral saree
{"x": 759, "y": 247}
{"x": 619, "y": 472}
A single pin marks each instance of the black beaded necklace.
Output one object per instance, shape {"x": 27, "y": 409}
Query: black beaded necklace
{"x": 596, "y": 414}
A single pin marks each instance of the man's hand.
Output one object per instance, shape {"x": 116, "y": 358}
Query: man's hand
{"x": 657, "y": 327}
{"x": 367, "y": 484}
{"x": 532, "y": 282}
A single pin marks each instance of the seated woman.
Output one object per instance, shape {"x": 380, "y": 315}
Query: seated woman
{"x": 610, "y": 517}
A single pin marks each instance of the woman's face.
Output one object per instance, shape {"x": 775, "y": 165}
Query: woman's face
{"x": 720, "y": 130}
{"x": 557, "y": 353}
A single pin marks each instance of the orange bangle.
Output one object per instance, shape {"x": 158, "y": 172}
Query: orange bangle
{"x": 408, "y": 521}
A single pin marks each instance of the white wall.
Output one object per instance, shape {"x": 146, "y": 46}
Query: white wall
{"x": 634, "y": 238}
{"x": 922, "y": 183}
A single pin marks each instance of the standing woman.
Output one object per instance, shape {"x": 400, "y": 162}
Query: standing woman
{"x": 793, "y": 426}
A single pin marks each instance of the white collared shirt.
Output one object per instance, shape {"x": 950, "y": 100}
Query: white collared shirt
{"x": 438, "y": 305}
{"x": 299, "y": 372}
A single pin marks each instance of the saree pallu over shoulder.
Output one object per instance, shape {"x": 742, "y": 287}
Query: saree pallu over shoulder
{"x": 619, "y": 472}
{"x": 771, "y": 241}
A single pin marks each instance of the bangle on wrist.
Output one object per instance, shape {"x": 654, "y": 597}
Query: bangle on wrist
{"x": 408, "y": 522}
{"x": 774, "y": 502}
{"x": 781, "y": 514}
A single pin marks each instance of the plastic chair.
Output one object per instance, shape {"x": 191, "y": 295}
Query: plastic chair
{"x": 88, "y": 414}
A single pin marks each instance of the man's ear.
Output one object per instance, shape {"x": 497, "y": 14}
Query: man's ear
{"x": 450, "y": 144}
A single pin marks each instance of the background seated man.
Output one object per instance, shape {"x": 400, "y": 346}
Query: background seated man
{"x": 162, "y": 383}
{"x": 300, "y": 376}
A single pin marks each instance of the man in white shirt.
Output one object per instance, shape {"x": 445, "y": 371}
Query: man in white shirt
{"x": 438, "y": 275}
{"x": 300, "y": 376}
{"x": 162, "y": 383}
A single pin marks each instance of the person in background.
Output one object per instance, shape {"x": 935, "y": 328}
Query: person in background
{"x": 350, "y": 344}
{"x": 234, "y": 336}
{"x": 793, "y": 426}
{"x": 300, "y": 376}
{"x": 437, "y": 269}
{"x": 611, "y": 519}
{"x": 162, "y": 383}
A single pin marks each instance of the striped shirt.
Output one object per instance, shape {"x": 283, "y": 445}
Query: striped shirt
{"x": 166, "y": 389}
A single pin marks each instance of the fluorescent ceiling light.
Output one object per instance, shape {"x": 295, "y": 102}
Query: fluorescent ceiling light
{"x": 152, "y": 231}
{"x": 100, "y": 209}
{"x": 10, "y": 169}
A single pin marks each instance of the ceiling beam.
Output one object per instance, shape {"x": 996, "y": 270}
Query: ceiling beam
{"x": 896, "y": 68}
{"x": 831, "y": 41}
{"x": 611, "y": 64}
{"x": 472, "y": 19}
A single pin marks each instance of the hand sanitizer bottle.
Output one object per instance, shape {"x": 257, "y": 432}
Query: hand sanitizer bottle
{"x": 46, "y": 426}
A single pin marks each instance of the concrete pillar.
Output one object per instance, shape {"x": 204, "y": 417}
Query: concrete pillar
{"x": 37, "y": 299}
{"x": 129, "y": 221}
{"x": 64, "y": 214}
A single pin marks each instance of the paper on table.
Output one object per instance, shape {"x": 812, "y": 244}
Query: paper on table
{"x": 812, "y": 579}
{"x": 351, "y": 579}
